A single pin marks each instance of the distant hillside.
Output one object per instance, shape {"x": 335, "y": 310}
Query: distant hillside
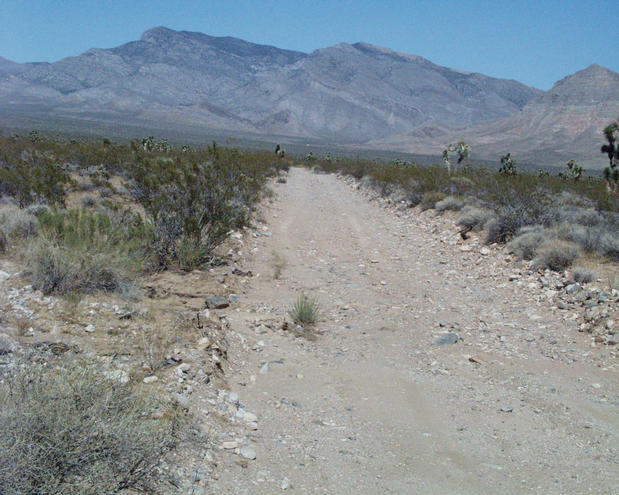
{"x": 348, "y": 93}
{"x": 563, "y": 123}
{"x": 357, "y": 94}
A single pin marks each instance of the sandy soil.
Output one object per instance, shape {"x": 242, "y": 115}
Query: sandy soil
{"x": 522, "y": 403}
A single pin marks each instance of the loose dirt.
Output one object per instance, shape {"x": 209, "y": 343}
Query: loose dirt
{"x": 522, "y": 403}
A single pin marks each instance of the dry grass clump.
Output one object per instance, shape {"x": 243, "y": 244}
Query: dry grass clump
{"x": 528, "y": 240}
{"x": 66, "y": 429}
{"x": 450, "y": 203}
{"x": 58, "y": 269}
{"x": 430, "y": 199}
{"x": 583, "y": 275}
{"x": 474, "y": 217}
{"x": 279, "y": 263}
{"x": 17, "y": 223}
{"x": 304, "y": 311}
{"x": 556, "y": 254}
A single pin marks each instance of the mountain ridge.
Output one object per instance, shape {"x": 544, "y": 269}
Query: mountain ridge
{"x": 353, "y": 94}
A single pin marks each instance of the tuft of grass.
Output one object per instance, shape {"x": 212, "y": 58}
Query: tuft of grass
{"x": 450, "y": 203}
{"x": 68, "y": 429}
{"x": 279, "y": 263}
{"x": 557, "y": 255}
{"x": 474, "y": 217}
{"x": 17, "y": 223}
{"x": 304, "y": 311}
{"x": 525, "y": 244}
{"x": 583, "y": 275}
{"x": 430, "y": 199}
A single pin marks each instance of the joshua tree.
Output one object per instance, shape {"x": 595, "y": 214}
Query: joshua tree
{"x": 508, "y": 166}
{"x": 461, "y": 149}
{"x": 575, "y": 171}
{"x": 611, "y": 173}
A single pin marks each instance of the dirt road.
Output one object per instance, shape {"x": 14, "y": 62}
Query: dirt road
{"x": 520, "y": 404}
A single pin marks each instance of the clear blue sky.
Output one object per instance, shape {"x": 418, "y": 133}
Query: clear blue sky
{"x": 536, "y": 42}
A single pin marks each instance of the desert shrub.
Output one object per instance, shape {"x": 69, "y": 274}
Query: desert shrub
{"x": 33, "y": 179}
{"x": 16, "y": 223}
{"x": 38, "y": 209}
{"x": 304, "y": 311}
{"x": 517, "y": 210}
{"x": 449, "y": 203}
{"x": 429, "y": 200}
{"x": 194, "y": 206}
{"x": 473, "y": 217}
{"x": 556, "y": 255}
{"x": 581, "y": 216}
{"x": 67, "y": 429}
{"x": 525, "y": 244}
{"x": 81, "y": 251}
{"x": 3, "y": 242}
{"x": 583, "y": 275}
{"x": 601, "y": 239}
{"x": 88, "y": 201}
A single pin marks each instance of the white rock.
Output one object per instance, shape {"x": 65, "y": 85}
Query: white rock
{"x": 250, "y": 417}
{"x": 247, "y": 452}
{"x": 90, "y": 328}
{"x": 119, "y": 375}
{"x": 229, "y": 445}
{"x": 150, "y": 379}
{"x": 4, "y": 275}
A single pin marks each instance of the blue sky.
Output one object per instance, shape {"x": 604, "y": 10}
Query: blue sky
{"x": 535, "y": 42}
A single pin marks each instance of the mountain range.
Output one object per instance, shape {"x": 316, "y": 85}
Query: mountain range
{"x": 355, "y": 95}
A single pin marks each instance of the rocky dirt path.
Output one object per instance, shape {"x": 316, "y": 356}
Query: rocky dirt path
{"x": 521, "y": 403}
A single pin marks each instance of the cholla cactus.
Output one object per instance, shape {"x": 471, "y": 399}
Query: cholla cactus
{"x": 461, "y": 149}
{"x": 611, "y": 173}
{"x": 508, "y": 166}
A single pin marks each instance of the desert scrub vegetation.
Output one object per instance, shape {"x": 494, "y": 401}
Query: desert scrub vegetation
{"x": 79, "y": 250}
{"x": 174, "y": 207}
{"x": 505, "y": 205}
{"x": 305, "y": 311}
{"x": 67, "y": 429}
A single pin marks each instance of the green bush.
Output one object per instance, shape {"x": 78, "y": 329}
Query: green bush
{"x": 304, "y": 311}
{"x": 38, "y": 179}
{"x": 66, "y": 429}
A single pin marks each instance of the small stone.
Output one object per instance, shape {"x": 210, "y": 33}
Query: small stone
{"x": 596, "y": 385}
{"x": 4, "y": 275}
{"x": 233, "y": 298}
{"x": 120, "y": 376}
{"x": 184, "y": 367}
{"x": 447, "y": 338}
{"x": 561, "y": 305}
{"x": 507, "y": 409}
{"x": 262, "y": 329}
{"x": 216, "y": 302}
{"x": 150, "y": 379}
{"x": 182, "y": 400}
{"x": 90, "y": 328}
{"x": 485, "y": 250}
{"x": 466, "y": 248}
{"x": 250, "y": 417}
{"x": 229, "y": 445}
{"x": 265, "y": 369}
{"x": 247, "y": 452}
{"x": 572, "y": 288}
{"x": 284, "y": 483}
{"x": 234, "y": 397}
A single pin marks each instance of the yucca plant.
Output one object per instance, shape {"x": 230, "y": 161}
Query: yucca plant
{"x": 304, "y": 311}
